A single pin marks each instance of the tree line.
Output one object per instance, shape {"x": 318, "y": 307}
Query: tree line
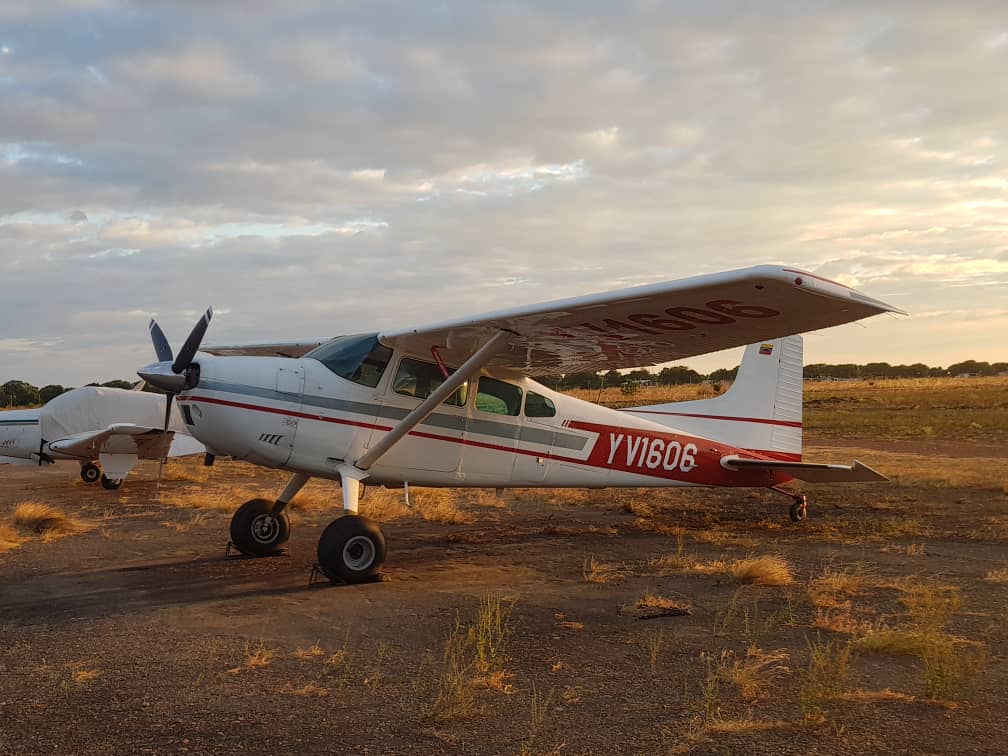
{"x": 21, "y": 394}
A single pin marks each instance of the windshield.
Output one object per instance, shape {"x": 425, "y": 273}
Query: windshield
{"x": 361, "y": 359}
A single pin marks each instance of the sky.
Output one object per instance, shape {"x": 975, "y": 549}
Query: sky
{"x": 332, "y": 167}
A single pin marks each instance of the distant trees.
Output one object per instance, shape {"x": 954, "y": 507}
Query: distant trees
{"x": 21, "y": 394}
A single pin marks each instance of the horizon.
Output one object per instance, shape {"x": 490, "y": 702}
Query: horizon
{"x": 320, "y": 168}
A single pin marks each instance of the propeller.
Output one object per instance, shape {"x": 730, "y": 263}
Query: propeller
{"x": 174, "y": 374}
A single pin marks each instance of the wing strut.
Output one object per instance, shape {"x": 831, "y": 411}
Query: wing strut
{"x": 469, "y": 368}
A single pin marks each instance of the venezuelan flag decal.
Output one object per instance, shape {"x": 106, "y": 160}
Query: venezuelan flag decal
{"x": 766, "y": 349}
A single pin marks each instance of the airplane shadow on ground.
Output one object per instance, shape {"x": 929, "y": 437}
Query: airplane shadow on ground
{"x": 64, "y": 597}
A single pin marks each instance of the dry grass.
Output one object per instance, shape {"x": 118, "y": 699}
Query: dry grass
{"x": 993, "y": 576}
{"x": 312, "y": 652}
{"x": 9, "y": 538}
{"x": 84, "y": 676}
{"x": 439, "y": 505}
{"x": 258, "y": 656}
{"x": 46, "y": 520}
{"x": 599, "y": 572}
{"x": 826, "y": 676}
{"x": 385, "y": 505}
{"x": 753, "y": 674}
{"x": 834, "y": 588}
{"x": 766, "y": 570}
{"x": 309, "y": 690}
{"x": 744, "y": 726}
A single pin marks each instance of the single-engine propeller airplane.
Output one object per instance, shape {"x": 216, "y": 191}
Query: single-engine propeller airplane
{"x": 107, "y": 430}
{"x": 385, "y": 408}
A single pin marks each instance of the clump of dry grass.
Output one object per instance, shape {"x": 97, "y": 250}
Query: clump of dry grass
{"x": 309, "y": 690}
{"x": 597, "y": 571}
{"x": 311, "y": 652}
{"x": 767, "y": 570}
{"x": 9, "y": 538}
{"x": 826, "y": 676}
{"x": 754, "y": 673}
{"x": 474, "y": 657}
{"x": 35, "y": 517}
{"x": 219, "y": 498}
{"x": 258, "y": 655}
{"x": 992, "y": 576}
{"x": 834, "y": 588}
{"x": 84, "y": 676}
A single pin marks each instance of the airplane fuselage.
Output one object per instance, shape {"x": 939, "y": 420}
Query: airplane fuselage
{"x": 501, "y": 430}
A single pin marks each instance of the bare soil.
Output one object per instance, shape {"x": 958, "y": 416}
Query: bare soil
{"x": 141, "y": 636}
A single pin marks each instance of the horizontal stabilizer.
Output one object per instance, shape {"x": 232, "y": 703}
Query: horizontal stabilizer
{"x": 811, "y": 472}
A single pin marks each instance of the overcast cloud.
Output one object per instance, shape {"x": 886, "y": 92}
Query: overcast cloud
{"x": 335, "y": 167}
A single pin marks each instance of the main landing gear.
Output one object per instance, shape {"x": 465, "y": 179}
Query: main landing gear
{"x": 350, "y": 550}
{"x": 90, "y": 473}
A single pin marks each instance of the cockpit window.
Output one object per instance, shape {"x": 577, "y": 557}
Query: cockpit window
{"x": 418, "y": 379}
{"x": 361, "y": 359}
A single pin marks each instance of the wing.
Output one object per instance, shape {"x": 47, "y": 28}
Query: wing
{"x": 277, "y": 349}
{"x": 650, "y": 324}
{"x": 121, "y": 438}
{"x": 811, "y": 472}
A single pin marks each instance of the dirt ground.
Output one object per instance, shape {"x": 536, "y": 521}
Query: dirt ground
{"x": 140, "y": 636}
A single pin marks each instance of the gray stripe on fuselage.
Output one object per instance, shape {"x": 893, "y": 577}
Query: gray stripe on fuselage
{"x": 19, "y": 422}
{"x": 458, "y": 423}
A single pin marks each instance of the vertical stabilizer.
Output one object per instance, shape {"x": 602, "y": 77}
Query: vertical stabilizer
{"x": 761, "y": 412}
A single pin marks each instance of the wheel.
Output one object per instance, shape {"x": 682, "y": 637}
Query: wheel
{"x": 110, "y": 484}
{"x": 799, "y": 510}
{"x": 351, "y": 549}
{"x": 90, "y": 473}
{"x": 256, "y": 531}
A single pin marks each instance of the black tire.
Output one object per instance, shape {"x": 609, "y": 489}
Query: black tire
{"x": 799, "y": 510}
{"x": 256, "y": 531}
{"x": 90, "y": 473}
{"x": 110, "y": 484}
{"x": 351, "y": 549}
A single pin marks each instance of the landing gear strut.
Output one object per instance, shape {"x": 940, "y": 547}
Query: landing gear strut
{"x": 799, "y": 509}
{"x": 351, "y": 548}
{"x": 90, "y": 473}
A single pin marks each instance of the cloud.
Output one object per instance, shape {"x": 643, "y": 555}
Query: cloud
{"x": 323, "y": 168}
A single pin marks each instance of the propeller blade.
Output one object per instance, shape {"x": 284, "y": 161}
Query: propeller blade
{"x": 162, "y": 348}
{"x": 192, "y": 343}
{"x": 167, "y": 419}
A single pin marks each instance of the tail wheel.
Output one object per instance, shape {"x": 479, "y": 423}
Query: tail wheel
{"x": 90, "y": 473}
{"x": 351, "y": 549}
{"x": 110, "y": 484}
{"x": 799, "y": 509}
{"x": 257, "y": 531}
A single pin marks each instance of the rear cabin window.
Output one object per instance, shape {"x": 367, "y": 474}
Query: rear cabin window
{"x": 418, "y": 379}
{"x": 537, "y": 405}
{"x": 498, "y": 397}
{"x": 361, "y": 359}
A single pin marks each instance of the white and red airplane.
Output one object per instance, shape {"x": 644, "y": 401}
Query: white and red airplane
{"x": 107, "y": 430}
{"x": 385, "y": 408}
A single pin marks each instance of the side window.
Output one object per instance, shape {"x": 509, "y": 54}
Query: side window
{"x": 418, "y": 379}
{"x": 498, "y": 397}
{"x": 538, "y": 406}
